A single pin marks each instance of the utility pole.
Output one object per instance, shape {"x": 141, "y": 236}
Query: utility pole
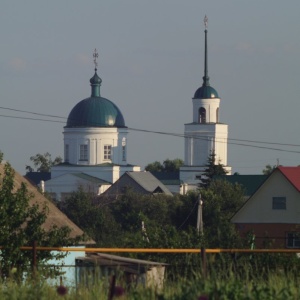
{"x": 199, "y": 215}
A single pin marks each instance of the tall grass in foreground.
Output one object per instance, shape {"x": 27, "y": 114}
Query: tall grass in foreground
{"x": 227, "y": 282}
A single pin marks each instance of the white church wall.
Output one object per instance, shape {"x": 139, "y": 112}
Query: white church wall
{"x": 210, "y": 105}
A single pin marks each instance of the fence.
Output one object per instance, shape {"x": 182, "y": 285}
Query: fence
{"x": 201, "y": 251}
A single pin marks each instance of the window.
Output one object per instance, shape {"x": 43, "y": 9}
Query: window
{"x": 202, "y": 115}
{"x": 217, "y": 115}
{"x": 83, "y": 152}
{"x": 293, "y": 240}
{"x": 66, "y": 153}
{"x": 279, "y": 203}
{"x": 124, "y": 153}
{"x": 107, "y": 152}
{"x": 124, "y": 149}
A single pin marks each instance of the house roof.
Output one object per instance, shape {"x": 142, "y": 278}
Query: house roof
{"x": 292, "y": 174}
{"x": 91, "y": 178}
{"x": 250, "y": 182}
{"x": 168, "y": 178}
{"x": 149, "y": 182}
{"x": 55, "y": 216}
{"x": 37, "y": 177}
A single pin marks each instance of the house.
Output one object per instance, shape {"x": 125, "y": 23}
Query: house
{"x": 139, "y": 182}
{"x": 272, "y": 213}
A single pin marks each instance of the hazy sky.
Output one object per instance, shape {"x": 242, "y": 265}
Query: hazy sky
{"x": 151, "y": 63}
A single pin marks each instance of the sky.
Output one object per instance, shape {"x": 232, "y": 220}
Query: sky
{"x": 151, "y": 61}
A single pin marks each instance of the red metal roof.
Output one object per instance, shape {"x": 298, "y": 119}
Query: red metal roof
{"x": 292, "y": 174}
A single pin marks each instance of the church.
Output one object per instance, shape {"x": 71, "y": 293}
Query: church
{"x": 95, "y": 146}
{"x": 95, "y": 141}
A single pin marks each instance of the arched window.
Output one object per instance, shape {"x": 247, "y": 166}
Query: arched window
{"x": 217, "y": 116}
{"x": 202, "y": 115}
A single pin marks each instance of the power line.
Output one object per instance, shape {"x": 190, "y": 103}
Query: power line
{"x": 32, "y": 119}
{"x": 162, "y": 132}
{"x": 30, "y": 112}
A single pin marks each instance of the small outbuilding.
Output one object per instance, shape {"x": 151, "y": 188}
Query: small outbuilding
{"x": 131, "y": 271}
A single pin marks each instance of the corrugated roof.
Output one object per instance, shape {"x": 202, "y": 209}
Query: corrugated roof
{"x": 91, "y": 178}
{"x": 148, "y": 181}
{"x": 250, "y": 182}
{"x": 168, "y": 178}
{"x": 292, "y": 174}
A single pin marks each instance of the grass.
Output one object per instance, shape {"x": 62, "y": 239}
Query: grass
{"x": 225, "y": 282}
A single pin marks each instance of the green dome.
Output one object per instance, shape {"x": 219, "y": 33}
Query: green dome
{"x": 95, "y": 111}
{"x": 206, "y": 92}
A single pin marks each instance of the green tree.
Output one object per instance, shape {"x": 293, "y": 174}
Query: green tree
{"x": 93, "y": 217}
{"x": 168, "y": 165}
{"x": 43, "y": 162}
{"x": 268, "y": 169}
{"x": 212, "y": 169}
{"x": 21, "y": 224}
{"x": 154, "y": 167}
{"x": 220, "y": 201}
{"x": 172, "y": 165}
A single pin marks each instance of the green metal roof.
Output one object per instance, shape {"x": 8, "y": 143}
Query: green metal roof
{"x": 206, "y": 92}
{"x": 91, "y": 178}
{"x": 95, "y": 111}
{"x": 250, "y": 182}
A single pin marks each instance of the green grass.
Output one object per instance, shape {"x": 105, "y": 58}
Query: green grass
{"x": 222, "y": 283}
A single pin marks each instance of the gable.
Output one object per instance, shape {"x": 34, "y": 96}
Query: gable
{"x": 259, "y": 209}
{"x": 139, "y": 182}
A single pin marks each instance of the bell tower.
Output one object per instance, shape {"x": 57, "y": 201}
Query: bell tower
{"x": 206, "y": 134}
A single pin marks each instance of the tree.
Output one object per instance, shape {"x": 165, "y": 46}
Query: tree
{"x": 172, "y": 165}
{"x": 212, "y": 169}
{"x": 154, "y": 167}
{"x": 21, "y": 224}
{"x": 220, "y": 201}
{"x": 43, "y": 162}
{"x": 95, "y": 219}
{"x": 168, "y": 165}
{"x": 269, "y": 169}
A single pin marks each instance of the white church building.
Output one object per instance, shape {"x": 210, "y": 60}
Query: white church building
{"x": 95, "y": 146}
{"x": 95, "y": 142}
{"x": 206, "y": 134}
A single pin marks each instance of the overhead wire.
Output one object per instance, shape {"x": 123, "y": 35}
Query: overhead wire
{"x": 198, "y": 137}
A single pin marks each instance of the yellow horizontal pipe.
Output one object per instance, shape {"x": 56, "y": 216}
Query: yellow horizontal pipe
{"x": 160, "y": 250}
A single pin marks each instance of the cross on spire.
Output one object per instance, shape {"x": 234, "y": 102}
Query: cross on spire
{"x": 205, "y": 21}
{"x": 95, "y": 55}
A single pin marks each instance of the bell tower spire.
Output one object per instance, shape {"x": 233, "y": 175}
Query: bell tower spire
{"x": 205, "y": 77}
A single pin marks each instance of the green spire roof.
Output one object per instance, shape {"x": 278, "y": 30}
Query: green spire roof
{"x": 206, "y": 91}
{"x": 95, "y": 84}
